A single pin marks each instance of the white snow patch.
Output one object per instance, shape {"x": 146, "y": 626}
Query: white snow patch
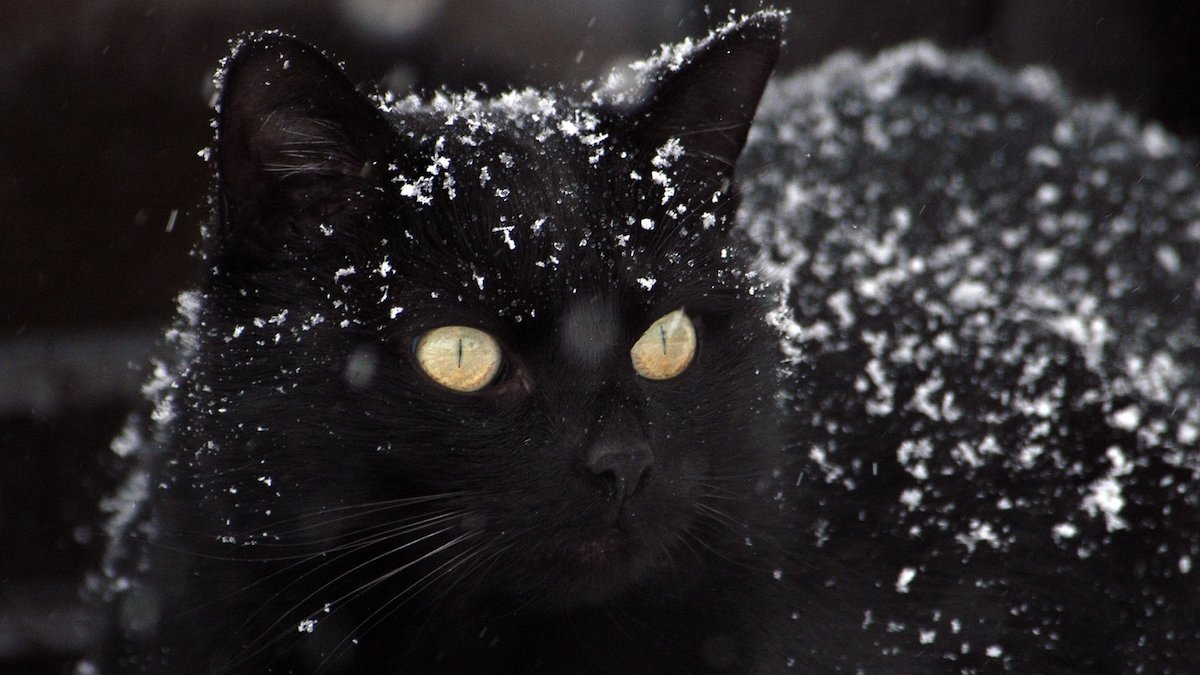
{"x": 1065, "y": 531}
{"x": 1043, "y": 155}
{"x": 506, "y": 232}
{"x": 128, "y": 441}
{"x": 1127, "y": 418}
{"x": 1104, "y": 494}
{"x": 970, "y": 294}
{"x": 839, "y": 302}
{"x": 978, "y": 533}
{"x": 666, "y": 155}
{"x": 1049, "y": 194}
{"x": 124, "y": 505}
{"x": 1168, "y": 257}
{"x": 1188, "y": 433}
{"x": 912, "y": 455}
{"x": 1156, "y": 142}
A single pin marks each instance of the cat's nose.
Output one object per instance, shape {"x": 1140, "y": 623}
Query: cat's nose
{"x": 619, "y": 466}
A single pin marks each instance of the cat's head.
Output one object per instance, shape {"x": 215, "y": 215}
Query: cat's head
{"x": 526, "y": 319}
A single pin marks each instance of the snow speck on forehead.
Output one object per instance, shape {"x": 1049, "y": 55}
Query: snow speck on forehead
{"x": 463, "y": 122}
{"x": 468, "y": 118}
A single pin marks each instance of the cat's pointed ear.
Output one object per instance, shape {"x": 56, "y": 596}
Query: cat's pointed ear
{"x": 708, "y": 100}
{"x": 294, "y": 140}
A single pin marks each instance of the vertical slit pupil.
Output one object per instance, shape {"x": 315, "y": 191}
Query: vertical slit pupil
{"x": 460, "y": 352}
{"x": 662, "y": 331}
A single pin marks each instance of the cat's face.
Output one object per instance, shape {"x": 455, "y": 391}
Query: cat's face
{"x": 519, "y": 328}
{"x": 599, "y": 471}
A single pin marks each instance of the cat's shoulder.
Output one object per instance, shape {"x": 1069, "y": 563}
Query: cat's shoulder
{"x": 993, "y": 313}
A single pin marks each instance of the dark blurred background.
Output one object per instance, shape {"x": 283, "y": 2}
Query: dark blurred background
{"x": 104, "y": 106}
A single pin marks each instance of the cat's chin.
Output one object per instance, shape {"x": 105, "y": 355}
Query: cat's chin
{"x": 596, "y": 570}
{"x": 610, "y": 554}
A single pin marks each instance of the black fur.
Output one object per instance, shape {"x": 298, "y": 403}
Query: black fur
{"x": 860, "y": 495}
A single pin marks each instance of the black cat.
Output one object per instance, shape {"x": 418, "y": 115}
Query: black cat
{"x": 515, "y": 385}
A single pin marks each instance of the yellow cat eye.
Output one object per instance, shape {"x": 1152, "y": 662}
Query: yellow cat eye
{"x": 666, "y": 348}
{"x": 459, "y": 357}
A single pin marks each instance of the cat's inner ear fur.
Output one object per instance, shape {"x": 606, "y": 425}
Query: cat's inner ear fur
{"x": 709, "y": 101}
{"x": 294, "y": 139}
